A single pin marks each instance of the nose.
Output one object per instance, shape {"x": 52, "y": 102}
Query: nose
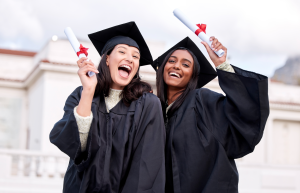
{"x": 177, "y": 65}
{"x": 129, "y": 58}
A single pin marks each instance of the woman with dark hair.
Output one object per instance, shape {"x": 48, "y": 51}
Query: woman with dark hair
{"x": 113, "y": 128}
{"x": 206, "y": 130}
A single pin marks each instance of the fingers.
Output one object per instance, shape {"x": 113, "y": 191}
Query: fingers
{"x": 85, "y": 69}
{"x": 214, "y": 43}
{"x": 90, "y": 68}
{"x": 84, "y": 61}
{"x": 217, "y": 46}
{"x": 209, "y": 51}
{"x": 221, "y": 47}
{"x": 90, "y": 63}
{"x": 80, "y": 61}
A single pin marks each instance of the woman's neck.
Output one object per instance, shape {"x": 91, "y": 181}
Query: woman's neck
{"x": 173, "y": 93}
{"x": 116, "y": 87}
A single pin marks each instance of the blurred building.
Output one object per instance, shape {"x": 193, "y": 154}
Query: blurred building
{"x": 35, "y": 85}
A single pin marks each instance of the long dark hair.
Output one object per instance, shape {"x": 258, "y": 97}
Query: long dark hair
{"x": 162, "y": 86}
{"x": 131, "y": 92}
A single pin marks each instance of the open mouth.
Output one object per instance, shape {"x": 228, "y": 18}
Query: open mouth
{"x": 174, "y": 74}
{"x": 124, "y": 71}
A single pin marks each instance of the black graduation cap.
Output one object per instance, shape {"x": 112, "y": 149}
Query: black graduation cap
{"x": 207, "y": 72}
{"x": 127, "y": 33}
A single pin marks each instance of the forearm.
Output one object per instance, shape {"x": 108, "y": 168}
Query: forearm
{"x": 85, "y": 103}
{"x": 84, "y": 125}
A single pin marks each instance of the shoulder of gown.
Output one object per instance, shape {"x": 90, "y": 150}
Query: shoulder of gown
{"x": 149, "y": 98}
{"x": 73, "y": 98}
{"x": 149, "y": 104}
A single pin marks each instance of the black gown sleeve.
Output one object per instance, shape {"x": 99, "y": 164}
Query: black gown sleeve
{"x": 65, "y": 134}
{"x": 147, "y": 170}
{"x": 238, "y": 119}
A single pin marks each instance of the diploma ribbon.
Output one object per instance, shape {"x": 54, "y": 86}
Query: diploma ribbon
{"x": 202, "y": 28}
{"x": 83, "y": 50}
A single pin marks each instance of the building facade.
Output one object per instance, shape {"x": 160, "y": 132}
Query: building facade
{"x": 35, "y": 85}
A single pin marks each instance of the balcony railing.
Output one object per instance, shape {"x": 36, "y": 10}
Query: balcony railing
{"x": 32, "y": 164}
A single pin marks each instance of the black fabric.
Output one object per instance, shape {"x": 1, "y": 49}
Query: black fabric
{"x": 103, "y": 41}
{"x": 118, "y": 40}
{"x": 210, "y": 130}
{"x": 207, "y": 72}
{"x": 125, "y": 147}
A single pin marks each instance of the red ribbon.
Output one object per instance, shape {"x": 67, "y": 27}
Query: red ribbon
{"x": 83, "y": 50}
{"x": 202, "y": 28}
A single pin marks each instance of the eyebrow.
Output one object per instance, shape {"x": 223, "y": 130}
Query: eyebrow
{"x": 187, "y": 60}
{"x": 122, "y": 47}
{"x": 137, "y": 52}
{"x": 126, "y": 49}
{"x": 183, "y": 59}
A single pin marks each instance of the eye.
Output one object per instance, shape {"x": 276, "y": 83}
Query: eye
{"x": 186, "y": 65}
{"x": 120, "y": 51}
{"x": 171, "y": 61}
{"x": 137, "y": 57}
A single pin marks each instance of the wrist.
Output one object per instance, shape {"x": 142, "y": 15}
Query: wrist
{"x": 85, "y": 103}
{"x": 87, "y": 94}
{"x": 88, "y": 91}
{"x": 218, "y": 63}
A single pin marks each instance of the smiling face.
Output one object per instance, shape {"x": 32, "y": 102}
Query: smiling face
{"x": 179, "y": 69}
{"x": 123, "y": 63}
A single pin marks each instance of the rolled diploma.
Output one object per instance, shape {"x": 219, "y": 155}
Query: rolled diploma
{"x": 75, "y": 44}
{"x": 193, "y": 27}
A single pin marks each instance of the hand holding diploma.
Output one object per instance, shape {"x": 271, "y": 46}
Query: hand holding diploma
{"x": 215, "y": 47}
{"x": 198, "y": 29}
{"x": 88, "y": 82}
{"x": 78, "y": 48}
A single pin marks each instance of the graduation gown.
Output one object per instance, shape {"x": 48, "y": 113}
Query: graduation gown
{"x": 210, "y": 130}
{"x": 125, "y": 147}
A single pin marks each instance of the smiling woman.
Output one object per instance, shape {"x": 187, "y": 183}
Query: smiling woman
{"x": 179, "y": 58}
{"x": 113, "y": 128}
{"x": 123, "y": 63}
{"x": 178, "y": 82}
{"x": 205, "y": 130}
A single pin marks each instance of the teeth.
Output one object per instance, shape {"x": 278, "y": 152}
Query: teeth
{"x": 125, "y": 66}
{"x": 173, "y": 73}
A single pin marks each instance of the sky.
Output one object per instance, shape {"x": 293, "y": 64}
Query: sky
{"x": 259, "y": 34}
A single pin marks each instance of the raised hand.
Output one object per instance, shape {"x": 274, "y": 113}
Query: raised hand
{"x": 88, "y": 83}
{"x": 216, "y": 46}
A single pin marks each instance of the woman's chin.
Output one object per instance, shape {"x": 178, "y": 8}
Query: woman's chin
{"x": 173, "y": 83}
{"x": 121, "y": 83}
